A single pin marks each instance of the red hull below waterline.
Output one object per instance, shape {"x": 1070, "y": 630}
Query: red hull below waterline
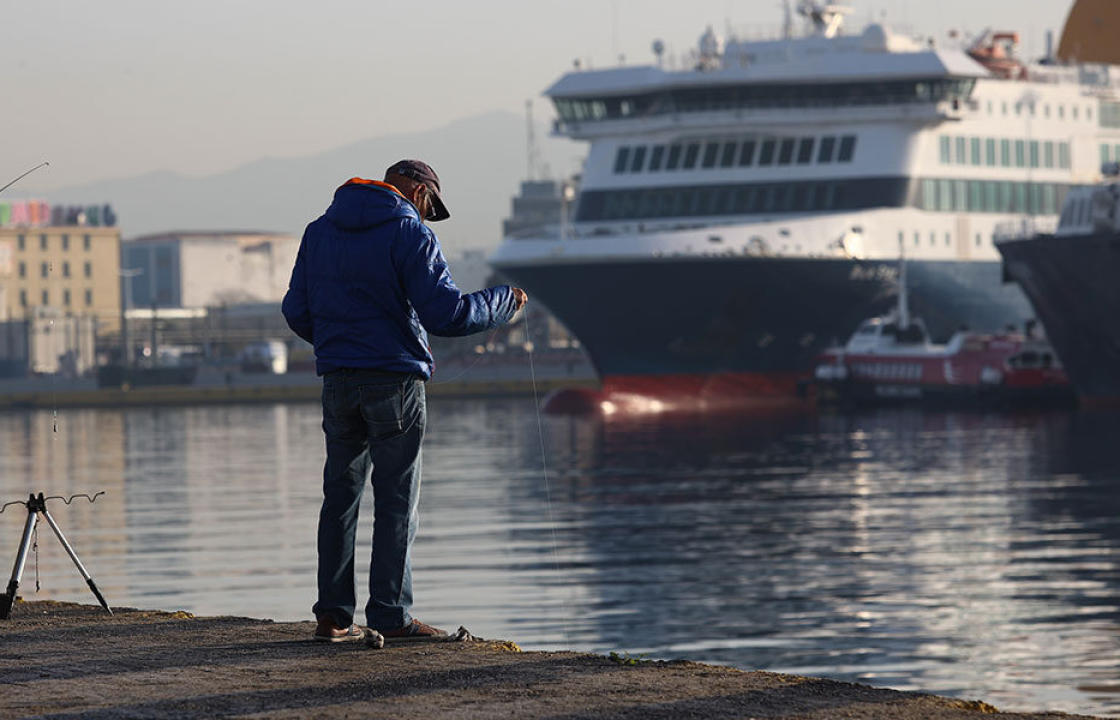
{"x": 638, "y": 394}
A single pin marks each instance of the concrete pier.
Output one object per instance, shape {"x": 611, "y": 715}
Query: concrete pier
{"x": 63, "y": 660}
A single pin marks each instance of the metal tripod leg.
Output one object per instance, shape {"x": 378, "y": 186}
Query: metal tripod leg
{"x": 7, "y": 599}
{"x": 74, "y": 556}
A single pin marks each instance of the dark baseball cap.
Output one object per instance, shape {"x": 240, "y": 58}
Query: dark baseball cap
{"x": 422, "y": 172}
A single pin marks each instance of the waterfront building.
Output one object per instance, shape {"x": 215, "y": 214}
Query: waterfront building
{"x": 207, "y": 269}
{"x": 71, "y": 268}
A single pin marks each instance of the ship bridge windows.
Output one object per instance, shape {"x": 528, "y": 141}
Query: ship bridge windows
{"x": 655, "y": 157}
{"x": 762, "y": 96}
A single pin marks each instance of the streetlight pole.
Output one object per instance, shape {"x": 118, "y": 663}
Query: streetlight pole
{"x": 126, "y": 292}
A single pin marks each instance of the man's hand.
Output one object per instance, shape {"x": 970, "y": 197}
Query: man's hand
{"x": 520, "y": 296}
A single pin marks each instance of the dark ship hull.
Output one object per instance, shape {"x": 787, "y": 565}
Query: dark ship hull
{"x": 1072, "y": 282}
{"x": 714, "y": 330}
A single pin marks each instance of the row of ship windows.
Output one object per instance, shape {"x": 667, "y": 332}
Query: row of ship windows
{"x": 944, "y": 195}
{"x": 1033, "y": 109}
{"x": 64, "y": 239}
{"x": 733, "y": 153}
{"x": 978, "y": 240}
{"x": 1004, "y": 152}
{"x": 991, "y": 196}
{"x": 45, "y": 268}
{"x": 46, "y": 298}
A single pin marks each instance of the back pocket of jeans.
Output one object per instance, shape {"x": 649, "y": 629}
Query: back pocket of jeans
{"x": 382, "y": 409}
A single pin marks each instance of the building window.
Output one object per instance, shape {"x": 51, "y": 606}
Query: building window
{"x": 1020, "y": 153}
{"x": 805, "y": 151}
{"x": 621, "y": 158}
{"x": 43, "y": 242}
{"x": 85, "y": 242}
{"x": 22, "y": 269}
{"x": 44, "y": 270}
{"x": 979, "y": 239}
{"x": 22, "y": 241}
{"x": 990, "y": 152}
{"x": 1106, "y": 152}
{"x": 917, "y": 238}
{"x": 639, "y": 159}
{"x": 46, "y": 298}
{"x": 655, "y": 157}
{"x": 1061, "y": 111}
{"x": 87, "y": 269}
{"x": 1033, "y": 150}
{"x": 746, "y": 155}
{"x": 1005, "y": 153}
{"x": 1074, "y": 112}
{"x": 932, "y": 238}
{"x": 962, "y": 149}
{"x": 1048, "y": 154}
{"x": 65, "y": 269}
{"x": 1063, "y": 156}
{"x": 674, "y": 160}
{"x": 23, "y": 298}
{"x": 65, "y": 242}
{"x": 847, "y": 148}
{"x": 948, "y": 239}
{"x": 946, "y": 147}
{"x": 1004, "y": 104}
{"x": 974, "y": 147}
{"x": 89, "y": 298}
{"x": 828, "y": 146}
{"x": 66, "y": 298}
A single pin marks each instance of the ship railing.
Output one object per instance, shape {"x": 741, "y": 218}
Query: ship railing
{"x": 1025, "y": 227}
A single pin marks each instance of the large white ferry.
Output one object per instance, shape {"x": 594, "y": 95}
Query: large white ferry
{"x": 738, "y": 214}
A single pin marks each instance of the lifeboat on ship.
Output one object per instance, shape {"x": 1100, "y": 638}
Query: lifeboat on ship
{"x": 996, "y": 51}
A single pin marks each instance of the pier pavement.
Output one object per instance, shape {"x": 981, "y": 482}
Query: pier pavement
{"x": 60, "y": 660}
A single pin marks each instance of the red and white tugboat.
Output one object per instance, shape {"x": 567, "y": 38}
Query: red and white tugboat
{"x": 891, "y": 359}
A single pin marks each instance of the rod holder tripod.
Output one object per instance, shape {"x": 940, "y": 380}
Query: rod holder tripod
{"x": 36, "y": 507}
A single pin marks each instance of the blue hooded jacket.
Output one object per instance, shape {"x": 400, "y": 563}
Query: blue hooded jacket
{"x": 370, "y": 278}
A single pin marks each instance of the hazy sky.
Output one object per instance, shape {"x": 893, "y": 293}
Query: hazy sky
{"x": 115, "y": 88}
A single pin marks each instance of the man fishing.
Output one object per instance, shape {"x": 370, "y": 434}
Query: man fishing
{"x": 369, "y": 283}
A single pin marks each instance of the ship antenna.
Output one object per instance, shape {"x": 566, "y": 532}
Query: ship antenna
{"x": 903, "y": 294}
{"x": 787, "y": 22}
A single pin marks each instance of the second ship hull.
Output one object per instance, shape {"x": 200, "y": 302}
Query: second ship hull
{"x": 727, "y": 329}
{"x": 1072, "y": 283}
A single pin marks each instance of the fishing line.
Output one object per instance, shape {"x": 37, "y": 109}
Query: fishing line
{"x": 544, "y": 471}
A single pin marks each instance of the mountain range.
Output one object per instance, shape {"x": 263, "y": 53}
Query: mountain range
{"x": 480, "y": 161}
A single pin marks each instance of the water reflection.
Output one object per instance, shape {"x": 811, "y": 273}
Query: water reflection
{"x": 968, "y": 554}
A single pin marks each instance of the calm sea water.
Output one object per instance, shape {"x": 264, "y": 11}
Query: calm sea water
{"x": 973, "y": 555}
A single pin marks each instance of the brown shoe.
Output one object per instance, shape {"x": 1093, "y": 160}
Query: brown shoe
{"x": 415, "y": 631}
{"x": 327, "y": 631}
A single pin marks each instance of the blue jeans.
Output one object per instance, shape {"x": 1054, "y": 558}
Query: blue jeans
{"x": 374, "y": 424}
